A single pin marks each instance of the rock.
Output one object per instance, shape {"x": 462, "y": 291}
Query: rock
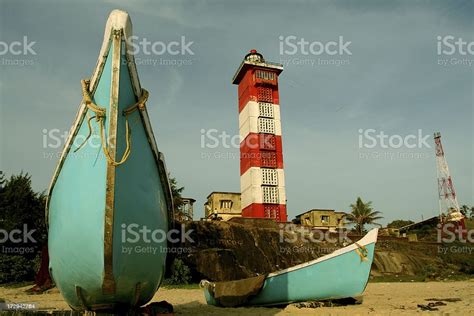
{"x": 224, "y": 251}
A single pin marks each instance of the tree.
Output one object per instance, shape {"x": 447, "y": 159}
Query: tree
{"x": 362, "y": 214}
{"x": 2, "y": 180}
{"x": 465, "y": 210}
{"x": 176, "y": 191}
{"x": 400, "y": 223}
{"x": 21, "y": 209}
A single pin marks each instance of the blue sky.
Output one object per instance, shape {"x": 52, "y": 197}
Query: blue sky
{"x": 392, "y": 83}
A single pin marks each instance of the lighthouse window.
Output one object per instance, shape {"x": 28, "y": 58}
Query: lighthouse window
{"x": 266, "y": 75}
{"x": 267, "y": 142}
{"x": 266, "y": 125}
{"x": 265, "y": 94}
{"x": 271, "y": 211}
{"x": 270, "y": 194}
{"x": 268, "y": 159}
{"x": 266, "y": 109}
{"x": 269, "y": 177}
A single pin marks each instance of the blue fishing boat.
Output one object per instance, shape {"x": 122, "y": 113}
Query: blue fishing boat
{"x": 341, "y": 274}
{"x": 109, "y": 189}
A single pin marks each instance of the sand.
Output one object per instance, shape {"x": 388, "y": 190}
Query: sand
{"x": 379, "y": 299}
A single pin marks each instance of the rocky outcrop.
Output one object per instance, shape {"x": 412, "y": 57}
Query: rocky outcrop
{"x": 223, "y": 251}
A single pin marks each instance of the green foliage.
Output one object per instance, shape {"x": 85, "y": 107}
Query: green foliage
{"x": 467, "y": 211}
{"x": 399, "y": 223}
{"x": 180, "y": 273}
{"x": 20, "y": 209}
{"x": 176, "y": 191}
{"x": 362, "y": 214}
{"x": 459, "y": 254}
{"x": 16, "y": 269}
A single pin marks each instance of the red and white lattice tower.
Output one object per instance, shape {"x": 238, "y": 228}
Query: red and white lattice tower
{"x": 262, "y": 182}
{"x": 448, "y": 202}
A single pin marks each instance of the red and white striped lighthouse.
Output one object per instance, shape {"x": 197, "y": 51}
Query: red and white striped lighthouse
{"x": 262, "y": 180}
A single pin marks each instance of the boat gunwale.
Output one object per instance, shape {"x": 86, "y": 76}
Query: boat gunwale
{"x": 369, "y": 238}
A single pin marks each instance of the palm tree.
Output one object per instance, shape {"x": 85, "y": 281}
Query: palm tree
{"x": 362, "y": 214}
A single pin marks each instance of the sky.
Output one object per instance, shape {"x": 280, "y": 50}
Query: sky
{"x": 400, "y": 74}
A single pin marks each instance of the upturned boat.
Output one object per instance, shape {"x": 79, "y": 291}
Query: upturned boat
{"x": 109, "y": 188}
{"x": 341, "y": 274}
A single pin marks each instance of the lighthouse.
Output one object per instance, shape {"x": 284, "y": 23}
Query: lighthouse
{"x": 262, "y": 180}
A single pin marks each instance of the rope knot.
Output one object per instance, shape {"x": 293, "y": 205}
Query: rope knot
{"x": 100, "y": 114}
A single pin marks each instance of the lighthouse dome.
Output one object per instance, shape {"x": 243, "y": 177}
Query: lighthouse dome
{"x": 254, "y": 56}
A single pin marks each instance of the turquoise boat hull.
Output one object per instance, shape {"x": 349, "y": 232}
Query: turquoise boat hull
{"x": 342, "y": 274}
{"x": 96, "y": 205}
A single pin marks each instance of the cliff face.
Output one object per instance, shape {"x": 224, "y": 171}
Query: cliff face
{"x": 223, "y": 251}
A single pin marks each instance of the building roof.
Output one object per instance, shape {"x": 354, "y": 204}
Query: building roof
{"x": 320, "y": 210}
{"x": 430, "y": 221}
{"x": 222, "y": 192}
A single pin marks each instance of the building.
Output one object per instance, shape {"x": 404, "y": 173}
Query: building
{"x": 322, "y": 219}
{"x": 431, "y": 222}
{"x": 186, "y": 211}
{"x": 262, "y": 181}
{"x": 389, "y": 231}
{"x": 222, "y": 205}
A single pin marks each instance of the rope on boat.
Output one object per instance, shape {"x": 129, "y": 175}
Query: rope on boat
{"x": 100, "y": 114}
{"x": 205, "y": 284}
{"x": 362, "y": 252}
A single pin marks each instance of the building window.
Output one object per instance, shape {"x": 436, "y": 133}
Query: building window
{"x": 226, "y": 204}
{"x": 266, "y": 125}
{"x": 265, "y": 109}
{"x": 268, "y": 159}
{"x": 265, "y": 94}
{"x": 270, "y": 194}
{"x": 267, "y": 142}
{"x": 266, "y": 75}
{"x": 271, "y": 211}
{"x": 325, "y": 219}
{"x": 269, "y": 176}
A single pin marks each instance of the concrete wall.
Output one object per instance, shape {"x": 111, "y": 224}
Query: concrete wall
{"x": 315, "y": 219}
{"x": 218, "y": 202}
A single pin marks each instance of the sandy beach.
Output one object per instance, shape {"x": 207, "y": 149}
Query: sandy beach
{"x": 379, "y": 299}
